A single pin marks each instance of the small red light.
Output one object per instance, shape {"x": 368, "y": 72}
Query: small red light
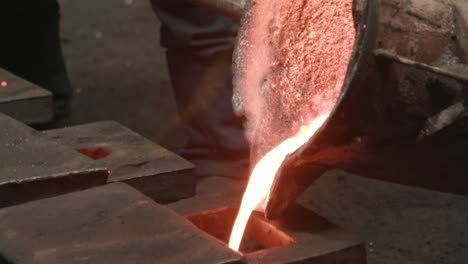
{"x": 4, "y": 84}
{"x": 95, "y": 153}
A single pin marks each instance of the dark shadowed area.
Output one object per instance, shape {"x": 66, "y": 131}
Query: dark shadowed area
{"x": 117, "y": 68}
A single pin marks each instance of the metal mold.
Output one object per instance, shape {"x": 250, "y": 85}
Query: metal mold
{"x": 302, "y": 237}
{"x": 23, "y": 100}
{"x": 299, "y": 236}
{"x": 22, "y": 191}
{"x": 34, "y": 167}
{"x": 260, "y": 234}
{"x": 131, "y": 158}
{"x": 113, "y": 223}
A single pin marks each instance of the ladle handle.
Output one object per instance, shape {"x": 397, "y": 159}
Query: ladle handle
{"x": 461, "y": 74}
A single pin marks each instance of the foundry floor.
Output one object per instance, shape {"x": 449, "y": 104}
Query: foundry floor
{"x": 117, "y": 67}
{"x": 118, "y": 73}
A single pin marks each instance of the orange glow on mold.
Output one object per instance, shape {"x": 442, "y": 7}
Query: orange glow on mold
{"x": 261, "y": 179}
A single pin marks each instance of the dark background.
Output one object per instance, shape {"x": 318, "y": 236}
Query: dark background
{"x": 117, "y": 68}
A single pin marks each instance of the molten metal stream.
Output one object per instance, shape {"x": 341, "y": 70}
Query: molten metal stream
{"x": 262, "y": 177}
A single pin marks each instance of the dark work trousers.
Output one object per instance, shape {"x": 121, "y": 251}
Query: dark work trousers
{"x": 203, "y": 91}
{"x": 30, "y": 46}
{"x": 199, "y": 47}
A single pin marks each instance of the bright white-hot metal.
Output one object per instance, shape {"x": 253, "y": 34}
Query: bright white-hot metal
{"x": 261, "y": 179}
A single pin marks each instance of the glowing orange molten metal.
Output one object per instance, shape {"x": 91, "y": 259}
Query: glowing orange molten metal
{"x": 262, "y": 177}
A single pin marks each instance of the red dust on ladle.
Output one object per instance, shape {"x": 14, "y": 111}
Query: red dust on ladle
{"x": 292, "y": 59}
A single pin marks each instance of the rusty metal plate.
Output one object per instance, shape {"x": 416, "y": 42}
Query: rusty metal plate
{"x": 131, "y": 158}
{"x": 108, "y": 224}
{"x": 23, "y": 100}
{"x": 33, "y": 167}
{"x": 316, "y": 240}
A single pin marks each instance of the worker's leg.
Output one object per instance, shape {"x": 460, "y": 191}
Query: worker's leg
{"x": 199, "y": 55}
{"x": 202, "y": 87}
{"x": 30, "y": 47}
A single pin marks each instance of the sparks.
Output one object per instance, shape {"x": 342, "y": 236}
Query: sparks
{"x": 261, "y": 179}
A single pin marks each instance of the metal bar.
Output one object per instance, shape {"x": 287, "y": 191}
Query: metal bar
{"x": 447, "y": 72}
{"x": 231, "y": 8}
